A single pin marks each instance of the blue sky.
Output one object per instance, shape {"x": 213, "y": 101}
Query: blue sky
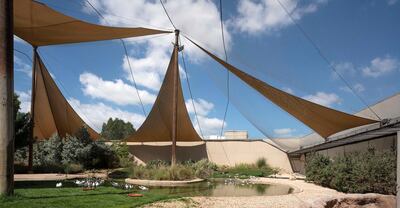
{"x": 359, "y": 38}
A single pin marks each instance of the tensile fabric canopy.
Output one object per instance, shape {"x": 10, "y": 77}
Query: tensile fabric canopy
{"x": 40, "y": 25}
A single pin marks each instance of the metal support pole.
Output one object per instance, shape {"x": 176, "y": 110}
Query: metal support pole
{"x": 175, "y": 100}
{"x": 6, "y": 98}
{"x": 31, "y": 139}
{"x": 398, "y": 170}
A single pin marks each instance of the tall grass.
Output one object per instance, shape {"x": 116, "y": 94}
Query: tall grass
{"x": 160, "y": 170}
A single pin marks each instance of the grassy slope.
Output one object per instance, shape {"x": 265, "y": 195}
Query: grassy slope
{"x": 74, "y": 197}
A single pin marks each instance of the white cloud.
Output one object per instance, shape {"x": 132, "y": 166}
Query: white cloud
{"x": 209, "y": 126}
{"x": 202, "y": 106}
{"x": 150, "y": 57}
{"x": 115, "y": 91}
{"x": 391, "y": 2}
{"x": 284, "y": 132}
{"x": 344, "y": 69}
{"x": 357, "y": 87}
{"x": 381, "y": 66}
{"x": 25, "y": 99}
{"x": 322, "y": 98}
{"x": 96, "y": 114}
{"x": 21, "y": 66}
{"x": 255, "y": 17}
{"x": 148, "y": 71}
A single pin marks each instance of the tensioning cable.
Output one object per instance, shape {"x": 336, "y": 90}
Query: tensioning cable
{"x": 322, "y": 55}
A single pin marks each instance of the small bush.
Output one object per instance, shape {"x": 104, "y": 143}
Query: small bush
{"x": 355, "y": 173}
{"x": 244, "y": 170}
{"x": 48, "y": 168}
{"x": 182, "y": 172}
{"x": 261, "y": 162}
{"x": 157, "y": 163}
{"x": 204, "y": 168}
{"x": 161, "y": 174}
{"x": 160, "y": 170}
{"x": 121, "y": 149}
{"x": 73, "y": 168}
{"x": 120, "y": 173}
{"x": 21, "y": 155}
{"x": 139, "y": 172}
{"x": 318, "y": 169}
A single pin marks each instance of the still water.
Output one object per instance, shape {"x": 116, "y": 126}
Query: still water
{"x": 215, "y": 187}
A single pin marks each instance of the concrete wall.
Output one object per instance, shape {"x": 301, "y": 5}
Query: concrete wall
{"x": 221, "y": 152}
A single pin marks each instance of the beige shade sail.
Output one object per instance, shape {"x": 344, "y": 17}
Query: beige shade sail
{"x": 159, "y": 123}
{"x": 40, "y": 25}
{"x": 51, "y": 111}
{"x": 324, "y": 121}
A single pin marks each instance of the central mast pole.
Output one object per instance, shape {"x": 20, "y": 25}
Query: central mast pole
{"x": 31, "y": 139}
{"x": 175, "y": 100}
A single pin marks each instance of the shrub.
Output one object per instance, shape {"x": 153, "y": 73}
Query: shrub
{"x": 121, "y": 149}
{"x": 48, "y": 152}
{"x": 157, "y": 171}
{"x": 245, "y": 170}
{"x": 161, "y": 174}
{"x": 73, "y": 153}
{"x": 48, "y": 168}
{"x": 180, "y": 172}
{"x": 157, "y": 163}
{"x": 138, "y": 172}
{"x": 355, "y": 173}
{"x": 120, "y": 173}
{"x": 73, "y": 168}
{"x": 21, "y": 155}
{"x": 204, "y": 168}
{"x": 261, "y": 162}
{"x": 318, "y": 169}
{"x": 73, "y": 150}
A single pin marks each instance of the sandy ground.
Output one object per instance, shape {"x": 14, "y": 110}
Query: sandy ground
{"x": 305, "y": 195}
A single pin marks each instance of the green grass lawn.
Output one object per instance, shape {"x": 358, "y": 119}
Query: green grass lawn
{"x": 75, "y": 197}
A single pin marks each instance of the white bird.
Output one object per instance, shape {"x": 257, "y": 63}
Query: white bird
{"x": 58, "y": 185}
{"x": 96, "y": 183}
{"x": 143, "y": 188}
{"x": 114, "y": 184}
{"x": 79, "y": 183}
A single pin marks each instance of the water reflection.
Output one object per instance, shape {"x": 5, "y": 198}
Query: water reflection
{"x": 222, "y": 188}
{"x": 216, "y": 187}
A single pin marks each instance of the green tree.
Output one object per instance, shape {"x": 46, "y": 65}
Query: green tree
{"x": 22, "y": 124}
{"x": 116, "y": 129}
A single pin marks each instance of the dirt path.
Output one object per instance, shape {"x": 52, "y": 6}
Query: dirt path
{"x": 55, "y": 176}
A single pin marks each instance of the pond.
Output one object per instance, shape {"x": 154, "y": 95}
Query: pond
{"x": 214, "y": 187}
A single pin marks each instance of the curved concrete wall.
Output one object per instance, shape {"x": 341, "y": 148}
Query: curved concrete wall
{"x": 221, "y": 152}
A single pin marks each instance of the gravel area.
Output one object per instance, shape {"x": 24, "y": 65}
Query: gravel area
{"x": 306, "y": 195}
